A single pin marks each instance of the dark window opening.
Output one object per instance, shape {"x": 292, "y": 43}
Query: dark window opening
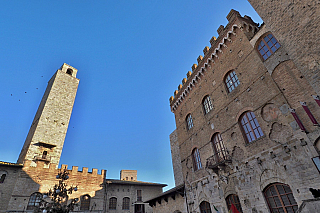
{"x": 44, "y": 155}
{"x": 205, "y": 207}
{"x": 126, "y": 203}
{"x": 280, "y": 198}
{"x": 85, "y": 202}
{"x": 3, "y": 177}
{"x": 69, "y": 71}
{"x": 139, "y": 195}
{"x": 113, "y": 203}
{"x": 139, "y": 208}
{"x": 234, "y": 199}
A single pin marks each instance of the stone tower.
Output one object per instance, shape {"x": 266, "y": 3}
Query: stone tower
{"x": 48, "y": 130}
{"x": 130, "y": 175}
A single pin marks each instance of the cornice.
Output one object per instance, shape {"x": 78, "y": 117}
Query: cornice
{"x": 211, "y": 55}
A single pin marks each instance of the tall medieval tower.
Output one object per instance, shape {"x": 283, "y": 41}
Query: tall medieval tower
{"x": 48, "y": 130}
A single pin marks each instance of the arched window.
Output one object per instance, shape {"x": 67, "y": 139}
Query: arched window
{"x": 196, "y": 159}
{"x": 280, "y": 198}
{"x": 34, "y": 201}
{"x": 126, "y": 203}
{"x": 3, "y": 176}
{"x": 113, "y": 203}
{"x": 69, "y": 71}
{"x": 207, "y": 104}
{"x": 189, "y": 121}
{"x": 317, "y": 145}
{"x": 85, "y": 202}
{"x": 234, "y": 199}
{"x": 219, "y": 149}
{"x": 267, "y": 45}
{"x": 205, "y": 207}
{"x": 250, "y": 127}
{"x": 231, "y": 80}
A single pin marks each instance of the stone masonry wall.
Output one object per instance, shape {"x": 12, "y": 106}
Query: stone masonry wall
{"x": 120, "y": 191}
{"x": 39, "y": 179}
{"x": 176, "y": 160}
{"x": 296, "y": 26}
{"x": 176, "y": 205}
{"x": 267, "y": 88}
{"x": 7, "y": 186}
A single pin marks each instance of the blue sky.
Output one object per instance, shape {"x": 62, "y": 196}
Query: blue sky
{"x": 130, "y": 56}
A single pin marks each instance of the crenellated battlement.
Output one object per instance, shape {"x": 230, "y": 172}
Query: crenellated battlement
{"x": 53, "y": 170}
{"x": 212, "y": 54}
{"x": 88, "y": 182}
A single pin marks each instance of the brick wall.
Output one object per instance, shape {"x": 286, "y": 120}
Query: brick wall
{"x": 39, "y": 179}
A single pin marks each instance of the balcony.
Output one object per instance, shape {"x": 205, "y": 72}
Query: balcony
{"x": 215, "y": 162}
{"x": 45, "y": 158}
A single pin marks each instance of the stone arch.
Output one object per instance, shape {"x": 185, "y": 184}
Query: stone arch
{"x": 229, "y": 191}
{"x": 260, "y": 38}
{"x": 288, "y": 79}
{"x": 202, "y": 197}
{"x": 85, "y": 202}
{"x": 243, "y": 110}
{"x": 316, "y": 145}
{"x": 226, "y": 73}
{"x": 267, "y": 181}
{"x": 69, "y": 71}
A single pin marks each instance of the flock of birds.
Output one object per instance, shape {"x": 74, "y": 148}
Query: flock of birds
{"x": 26, "y": 92}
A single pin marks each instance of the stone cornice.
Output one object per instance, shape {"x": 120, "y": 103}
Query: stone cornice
{"x": 211, "y": 55}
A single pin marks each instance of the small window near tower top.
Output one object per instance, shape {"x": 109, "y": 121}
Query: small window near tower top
{"x": 69, "y": 71}
{"x": 44, "y": 155}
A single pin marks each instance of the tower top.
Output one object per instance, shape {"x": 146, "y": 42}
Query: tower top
{"x": 66, "y": 68}
{"x": 130, "y": 175}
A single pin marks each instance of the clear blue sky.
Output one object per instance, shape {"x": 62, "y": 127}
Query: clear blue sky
{"x": 131, "y": 56}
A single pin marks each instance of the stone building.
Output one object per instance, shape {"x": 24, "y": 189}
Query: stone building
{"x": 22, "y": 184}
{"x": 128, "y": 194}
{"x": 247, "y": 131}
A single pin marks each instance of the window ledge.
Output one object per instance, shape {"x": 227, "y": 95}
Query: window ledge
{"x": 234, "y": 92}
{"x": 252, "y": 142}
{"x": 195, "y": 171}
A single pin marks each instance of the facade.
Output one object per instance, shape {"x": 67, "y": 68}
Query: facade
{"x": 247, "y": 133}
{"x": 129, "y": 196}
{"x": 172, "y": 200}
{"x": 23, "y": 184}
